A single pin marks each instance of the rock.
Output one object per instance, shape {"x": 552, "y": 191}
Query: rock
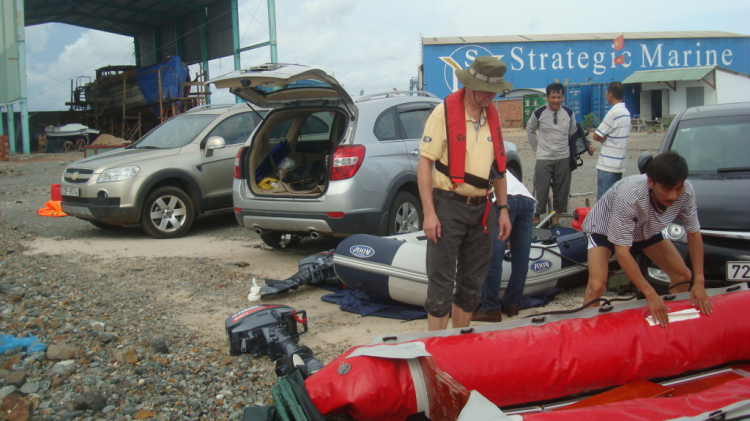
{"x": 160, "y": 347}
{"x": 33, "y": 400}
{"x": 30, "y": 387}
{"x": 15, "y": 378}
{"x": 98, "y": 327}
{"x": 106, "y": 337}
{"x": 63, "y": 367}
{"x": 130, "y": 357}
{"x": 90, "y": 400}
{"x": 60, "y": 352}
{"x": 7, "y": 390}
{"x": 143, "y": 414}
{"x": 14, "y": 408}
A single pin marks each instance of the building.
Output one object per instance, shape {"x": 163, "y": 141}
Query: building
{"x": 664, "y": 72}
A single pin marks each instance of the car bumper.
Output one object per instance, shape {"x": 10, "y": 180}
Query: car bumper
{"x": 101, "y": 210}
{"x": 312, "y": 214}
{"x": 322, "y": 223}
{"x": 715, "y": 258}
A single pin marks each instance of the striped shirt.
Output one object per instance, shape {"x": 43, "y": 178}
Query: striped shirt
{"x": 616, "y": 126}
{"x": 626, "y": 213}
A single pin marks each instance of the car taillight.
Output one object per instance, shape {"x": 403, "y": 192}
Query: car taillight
{"x": 346, "y": 161}
{"x": 237, "y": 172}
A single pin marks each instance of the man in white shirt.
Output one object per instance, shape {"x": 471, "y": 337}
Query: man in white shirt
{"x": 613, "y": 132}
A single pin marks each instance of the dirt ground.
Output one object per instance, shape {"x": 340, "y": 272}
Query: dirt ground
{"x": 230, "y": 244}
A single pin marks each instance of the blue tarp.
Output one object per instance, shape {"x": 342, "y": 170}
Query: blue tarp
{"x": 29, "y": 344}
{"x": 173, "y": 73}
{"x": 358, "y": 302}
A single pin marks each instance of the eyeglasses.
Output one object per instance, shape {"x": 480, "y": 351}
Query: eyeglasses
{"x": 554, "y": 117}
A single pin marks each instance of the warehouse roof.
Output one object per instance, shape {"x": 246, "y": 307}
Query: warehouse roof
{"x": 669, "y": 75}
{"x": 580, "y": 37}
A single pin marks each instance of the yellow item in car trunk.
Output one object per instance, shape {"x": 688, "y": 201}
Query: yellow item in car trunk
{"x": 268, "y": 183}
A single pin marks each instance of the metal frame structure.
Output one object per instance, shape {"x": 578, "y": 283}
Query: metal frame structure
{"x": 157, "y": 27}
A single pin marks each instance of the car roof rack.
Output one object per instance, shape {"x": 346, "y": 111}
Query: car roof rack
{"x": 208, "y": 106}
{"x": 390, "y": 94}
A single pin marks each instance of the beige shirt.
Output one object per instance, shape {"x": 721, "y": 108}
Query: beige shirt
{"x": 479, "y": 151}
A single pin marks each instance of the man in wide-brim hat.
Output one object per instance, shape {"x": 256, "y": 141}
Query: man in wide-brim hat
{"x": 461, "y": 151}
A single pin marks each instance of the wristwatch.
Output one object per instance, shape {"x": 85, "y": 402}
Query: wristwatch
{"x": 502, "y": 207}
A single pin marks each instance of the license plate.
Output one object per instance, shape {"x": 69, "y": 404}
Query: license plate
{"x": 738, "y": 271}
{"x": 70, "y": 191}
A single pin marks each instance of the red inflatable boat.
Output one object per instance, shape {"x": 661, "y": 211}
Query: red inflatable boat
{"x": 545, "y": 367}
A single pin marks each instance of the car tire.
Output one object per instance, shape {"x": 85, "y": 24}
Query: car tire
{"x": 105, "y": 226}
{"x": 167, "y": 213}
{"x": 515, "y": 173}
{"x": 273, "y": 239}
{"x": 405, "y": 214}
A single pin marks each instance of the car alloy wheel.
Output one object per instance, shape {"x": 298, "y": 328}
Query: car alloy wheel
{"x": 405, "y": 214}
{"x": 167, "y": 213}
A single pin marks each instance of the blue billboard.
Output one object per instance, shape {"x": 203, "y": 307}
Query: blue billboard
{"x": 535, "y": 64}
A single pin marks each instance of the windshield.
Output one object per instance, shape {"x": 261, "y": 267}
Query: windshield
{"x": 712, "y": 145}
{"x": 175, "y": 132}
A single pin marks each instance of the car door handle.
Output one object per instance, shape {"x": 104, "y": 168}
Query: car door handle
{"x": 414, "y": 152}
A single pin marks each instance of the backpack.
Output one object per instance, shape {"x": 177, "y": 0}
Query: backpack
{"x": 578, "y": 144}
{"x": 306, "y": 177}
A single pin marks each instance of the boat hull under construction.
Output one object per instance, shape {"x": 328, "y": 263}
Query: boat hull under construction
{"x": 393, "y": 268}
{"x": 542, "y": 368}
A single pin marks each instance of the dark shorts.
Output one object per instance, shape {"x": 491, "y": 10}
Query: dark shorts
{"x": 598, "y": 240}
{"x": 457, "y": 265}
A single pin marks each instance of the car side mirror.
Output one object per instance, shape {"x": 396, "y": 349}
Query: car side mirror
{"x": 214, "y": 142}
{"x": 644, "y": 160}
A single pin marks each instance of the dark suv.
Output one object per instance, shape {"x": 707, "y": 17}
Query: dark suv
{"x": 715, "y": 141}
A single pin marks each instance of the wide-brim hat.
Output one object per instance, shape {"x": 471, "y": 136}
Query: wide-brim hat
{"x": 485, "y": 74}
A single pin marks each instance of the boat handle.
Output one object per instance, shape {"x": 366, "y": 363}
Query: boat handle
{"x": 605, "y": 309}
{"x": 414, "y": 152}
{"x": 467, "y": 330}
{"x": 734, "y": 288}
{"x": 538, "y": 319}
{"x": 669, "y": 297}
{"x": 390, "y": 338}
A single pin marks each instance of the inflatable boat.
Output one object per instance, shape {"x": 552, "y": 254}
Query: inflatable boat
{"x": 610, "y": 362}
{"x": 393, "y": 268}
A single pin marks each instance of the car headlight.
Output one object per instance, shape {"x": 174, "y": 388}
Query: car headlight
{"x": 118, "y": 174}
{"x": 675, "y": 232}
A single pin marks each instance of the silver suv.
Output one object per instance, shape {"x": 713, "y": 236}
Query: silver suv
{"x": 181, "y": 169}
{"x": 323, "y": 163}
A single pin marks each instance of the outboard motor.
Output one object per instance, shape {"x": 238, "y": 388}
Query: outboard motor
{"x": 272, "y": 330}
{"x": 579, "y": 215}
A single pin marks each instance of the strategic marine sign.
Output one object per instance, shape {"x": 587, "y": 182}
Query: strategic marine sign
{"x": 535, "y": 64}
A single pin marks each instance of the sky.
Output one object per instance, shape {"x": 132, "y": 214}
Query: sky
{"x": 370, "y": 46}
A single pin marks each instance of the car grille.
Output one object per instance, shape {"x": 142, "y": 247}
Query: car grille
{"x": 73, "y": 200}
{"x": 724, "y": 242}
{"x": 75, "y": 175}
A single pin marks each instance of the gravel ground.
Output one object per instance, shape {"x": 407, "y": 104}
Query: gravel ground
{"x": 121, "y": 332}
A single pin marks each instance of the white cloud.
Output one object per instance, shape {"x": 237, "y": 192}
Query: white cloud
{"x": 37, "y": 37}
{"x": 49, "y": 84}
{"x": 374, "y": 45}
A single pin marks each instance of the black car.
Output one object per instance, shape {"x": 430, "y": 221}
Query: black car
{"x": 715, "y": 141}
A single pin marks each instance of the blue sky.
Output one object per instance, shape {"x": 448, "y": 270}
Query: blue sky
{"x": 369, "y": 46}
